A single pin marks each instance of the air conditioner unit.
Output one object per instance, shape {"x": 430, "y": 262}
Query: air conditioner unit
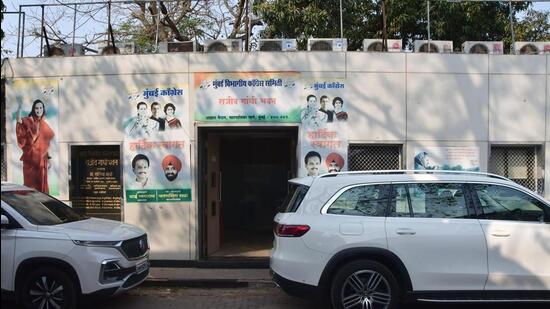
{"x": 278, "y": 45}
{"x": 73, "y": 49}
{"x": 376, "y": 45}
{"x": 421, "y": 46}
{"x": 123, "y": 48}
{"x": 64, "y": 50}
{"x": 228, "y": 45}
{"x": 532, "y": 48}
{"x": 177, "y": 47}
{"x": 336, "y": 45}
{"x": 483, "y": 47}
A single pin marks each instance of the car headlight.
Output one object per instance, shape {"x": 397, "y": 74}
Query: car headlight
{"x": 91, "y": 243}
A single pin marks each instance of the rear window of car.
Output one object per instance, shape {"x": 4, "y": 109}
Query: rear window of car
{"x": 39, "y": 208}
{"x": 294, "y": 198}
{"x": 367, "y": 200}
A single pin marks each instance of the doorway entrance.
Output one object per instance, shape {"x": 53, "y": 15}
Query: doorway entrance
{"x": 244, "y": 174}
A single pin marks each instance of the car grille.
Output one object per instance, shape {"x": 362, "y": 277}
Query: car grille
{"x": 135, "y": 247}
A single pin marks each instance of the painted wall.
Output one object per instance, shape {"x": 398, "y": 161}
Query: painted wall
{"x": 418, "y": 100}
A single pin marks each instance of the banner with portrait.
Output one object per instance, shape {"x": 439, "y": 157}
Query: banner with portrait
{"x": 324, "y": 150}
{"x": 157, "y": 171}
{"x": 323, "y": 133}
{"x": 155, "y": 111}
{"x": 455, "y": 158}
{"x": 157, "y": 145}
{"x": 33, "y": 117}
{"x": 247, "y": 97}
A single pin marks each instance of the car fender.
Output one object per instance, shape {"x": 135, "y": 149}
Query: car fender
{"x": 384, "y": 256}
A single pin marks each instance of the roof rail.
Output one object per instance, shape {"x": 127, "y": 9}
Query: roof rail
{"x": 440, "y": 172}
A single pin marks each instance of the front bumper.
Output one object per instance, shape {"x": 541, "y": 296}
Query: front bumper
{"x": 132, "y": 278}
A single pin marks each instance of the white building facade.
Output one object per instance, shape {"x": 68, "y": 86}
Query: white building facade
{"x": 470, "y": 112}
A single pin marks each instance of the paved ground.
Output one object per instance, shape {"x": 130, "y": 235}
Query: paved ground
{"x": 257, "y": 296}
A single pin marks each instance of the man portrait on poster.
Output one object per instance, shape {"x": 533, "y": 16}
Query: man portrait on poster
{"x": 312, "y": 161}
{"x": 140, "y": 167}
{"x": 171, "y": 166}
{"x": 334, "y": 162}
{"x": 155, "y": 115}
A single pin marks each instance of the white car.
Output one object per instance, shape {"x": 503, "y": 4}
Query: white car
{"x": 53, "y": 257}
{"x": 374, "y": 239}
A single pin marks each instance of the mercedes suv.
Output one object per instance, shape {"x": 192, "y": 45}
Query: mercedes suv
{"x": 374, "y": 239}
{"x": 54, "y": 257}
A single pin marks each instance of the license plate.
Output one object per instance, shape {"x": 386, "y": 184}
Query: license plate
{"x": 141, "y": 267}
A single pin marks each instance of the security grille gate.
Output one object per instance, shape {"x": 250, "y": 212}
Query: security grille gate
{"x": 374, "y": 157}
{"x": 521, "y": 164}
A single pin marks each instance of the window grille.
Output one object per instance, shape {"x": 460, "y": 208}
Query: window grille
{"x": 374, "y": 157}
{"x": 4, "y": 164}
{"x": 521, "y": 164}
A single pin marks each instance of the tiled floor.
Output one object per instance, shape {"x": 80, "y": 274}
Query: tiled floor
{"x": 245, "y": 243}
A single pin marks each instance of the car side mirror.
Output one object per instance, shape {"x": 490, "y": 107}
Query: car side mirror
{"x": 5, "y": 222}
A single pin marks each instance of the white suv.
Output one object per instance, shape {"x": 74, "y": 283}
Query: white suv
{"x": 373, "y": 239}
{"x": 53, "y": 257}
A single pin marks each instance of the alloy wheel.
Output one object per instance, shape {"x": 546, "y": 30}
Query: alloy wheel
{"x": 46, "y": 293}
{"x": 365, "y": 289}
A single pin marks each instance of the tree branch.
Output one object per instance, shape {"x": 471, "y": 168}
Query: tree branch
{"x": 238, "y": 19}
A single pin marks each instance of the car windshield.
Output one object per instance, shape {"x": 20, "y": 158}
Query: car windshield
{"x": 39, "y": 208}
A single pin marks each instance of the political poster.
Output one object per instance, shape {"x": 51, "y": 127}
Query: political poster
{"x": 33, "y": 117}
{"x": 323, "y": 130}
{"x": 455, "y": 158}
{"x": 155, "y": 111}
{"x": 157, "y": 145}
{"x": 247, "y": 97}
{"x": 157, "y": 171}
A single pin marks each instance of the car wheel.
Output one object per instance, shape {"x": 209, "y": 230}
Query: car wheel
{"x": 48, "y": 287}
{"x": 364, "y": 284}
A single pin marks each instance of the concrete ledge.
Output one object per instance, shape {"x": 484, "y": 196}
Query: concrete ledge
{"x": 207, "y": 283}
{"x": 183, "y": 275}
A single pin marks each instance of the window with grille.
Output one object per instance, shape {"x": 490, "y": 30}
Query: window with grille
{"x": 521, "y": 164}
{"x": 374, "y": 157}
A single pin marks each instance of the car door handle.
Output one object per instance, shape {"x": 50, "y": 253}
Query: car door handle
{"x": 405, "y": 232}
{"x": 500, "y": 234}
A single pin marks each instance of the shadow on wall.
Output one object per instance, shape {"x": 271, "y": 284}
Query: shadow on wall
{"x": 92, "y": 107}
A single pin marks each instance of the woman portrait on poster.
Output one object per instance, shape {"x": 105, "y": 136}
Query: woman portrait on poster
{"x": 422, "y": 161}
{"x": 338, "y": 104}
{"x": 33, "y": 137}
{"x": 171, "y": 120}
{"x": 311, "y": 116}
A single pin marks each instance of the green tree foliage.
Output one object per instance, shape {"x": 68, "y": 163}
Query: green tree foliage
{"x": 319, "y": 18}
{"x": 534, "y": 27}
{"x": 406, "y": 19}
{"x": 182, "y": 21}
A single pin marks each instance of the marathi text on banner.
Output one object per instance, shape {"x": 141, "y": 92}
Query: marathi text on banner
{"x": 157, "y": 146}
{"x": 458, "y": 158}
{"x": 247, "y": 97}
{"x": 323, "y": 133}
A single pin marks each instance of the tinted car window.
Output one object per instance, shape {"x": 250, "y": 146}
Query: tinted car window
{"x": 399, "y": 204}
{"x": 294, "y": 198}
{"x": 362, "y": 201}
{"x": 429, "y": 200}
{"x": 503, "y": 203}
{"x": 39, "y": 208}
